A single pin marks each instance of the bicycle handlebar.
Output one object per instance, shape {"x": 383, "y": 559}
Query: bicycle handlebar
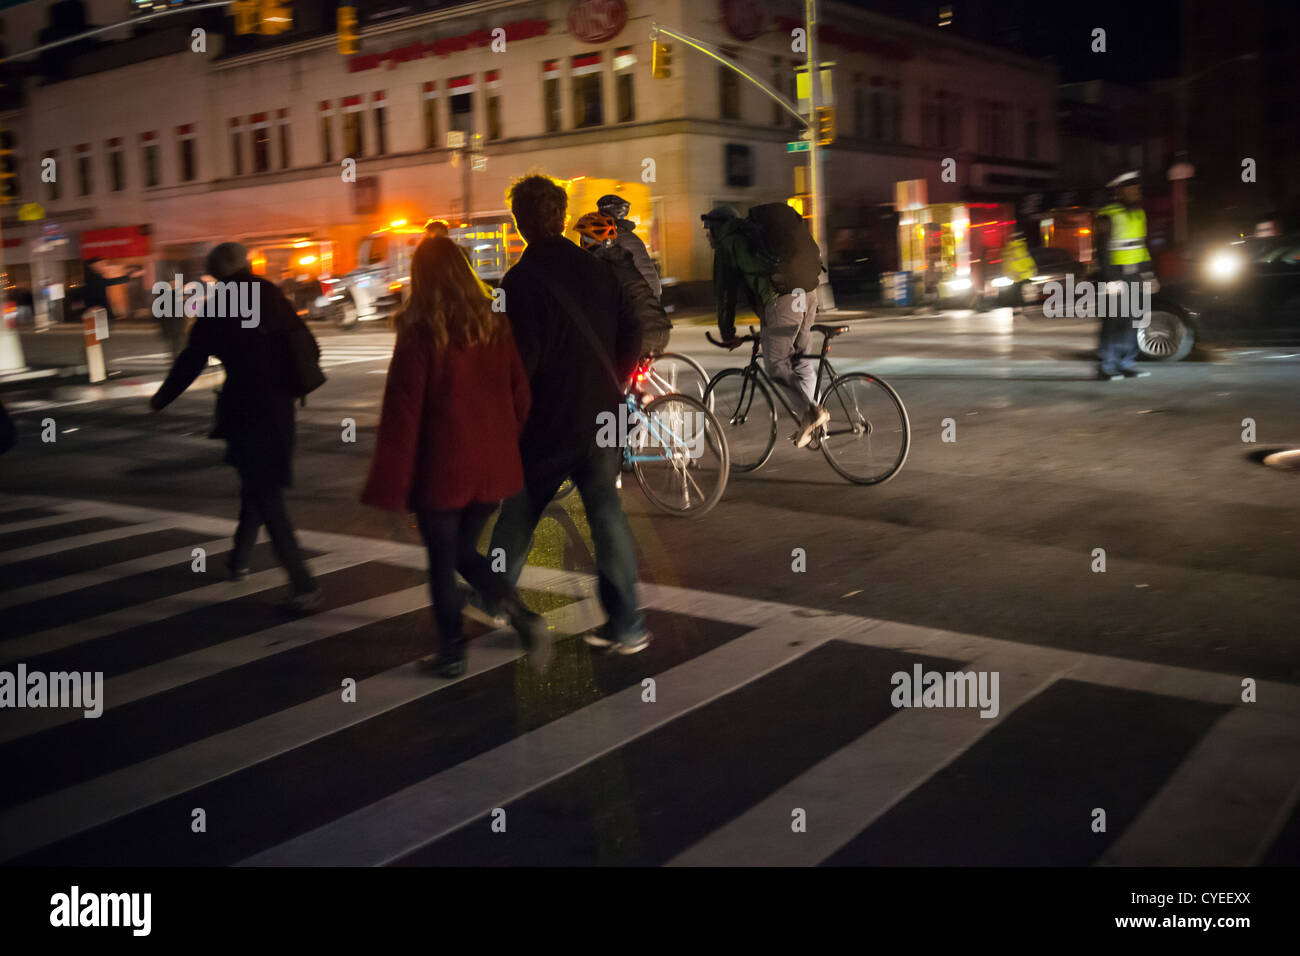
{"x": 752, "y": 337}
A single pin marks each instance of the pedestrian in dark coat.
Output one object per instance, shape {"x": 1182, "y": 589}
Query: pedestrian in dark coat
{"x": 95, "y": 280}
{"x": 580, "y": 342}
{"x": 455, "y": 402}
{"x": 255, "y": 413}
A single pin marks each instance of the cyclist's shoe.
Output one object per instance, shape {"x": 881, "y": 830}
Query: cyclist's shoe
{"x": 481, "y": 609}
{"x": 812, "y": 420}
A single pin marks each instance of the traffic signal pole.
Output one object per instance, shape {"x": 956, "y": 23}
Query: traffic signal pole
{"x": 825, "y": 298}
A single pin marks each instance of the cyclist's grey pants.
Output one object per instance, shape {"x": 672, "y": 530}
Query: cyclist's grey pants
{"x": 786, "y": 334}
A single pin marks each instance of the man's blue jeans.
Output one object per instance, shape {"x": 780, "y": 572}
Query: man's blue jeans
{"x": 593, "y": 474}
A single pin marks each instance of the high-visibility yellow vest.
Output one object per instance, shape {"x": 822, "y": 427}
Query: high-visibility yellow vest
{"x": 1128, "y": 235}
{"x": 1019, "y": 263}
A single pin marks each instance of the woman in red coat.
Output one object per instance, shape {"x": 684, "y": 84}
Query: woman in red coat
{"x": 448, "y": 448}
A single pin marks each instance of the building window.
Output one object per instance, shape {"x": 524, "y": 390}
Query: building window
{"x": 282, "y": 134}
{"x": 261, "y": 130}
{"x": 1000, "y": 145}
{"x": 185, "y": 153}
{"x": 326, "y": 132}
{"x": 492, "y": 104}
{"x": 1031, "y": 135}
{"x": 894, "y": 131}
{"x": 551, "y": 95}
{"x": 429, "y": 104}
{"x": 354, "y": 135}
{"x": 859, "y": 105}
{"x": 53, "y": 189}
{"x": 237, "y": 146}
{"x": 588, "y": 96}
{"x": 877, "y": 128}
{"x": 149, "y": 159}
{"x": 85, "y": 175}
{"x": 624, "y": 86}
{"x": 461, "y": 102}
{"x": 116, "y": 165}
{"x": 728, "y": 89}
{"x": 379, "y": 103}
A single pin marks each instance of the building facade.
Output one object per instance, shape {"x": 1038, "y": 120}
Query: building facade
{"x": 165, "y": 143}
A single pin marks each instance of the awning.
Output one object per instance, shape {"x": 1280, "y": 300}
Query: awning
{"x": 123, "y": 242}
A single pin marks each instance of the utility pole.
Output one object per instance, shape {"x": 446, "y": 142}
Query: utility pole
{"x": 816, "y": 168}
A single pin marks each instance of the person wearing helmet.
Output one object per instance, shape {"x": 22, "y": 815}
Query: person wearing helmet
{"x": 617, "y": 207}
{"x": 599, "y": 235}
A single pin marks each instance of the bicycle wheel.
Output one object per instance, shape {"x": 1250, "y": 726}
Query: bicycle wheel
{"x": 868, "y": 436}
{"x": 679, "y": 454}
{"x": 671, "y": 372}
{"x": 744, "y": 406}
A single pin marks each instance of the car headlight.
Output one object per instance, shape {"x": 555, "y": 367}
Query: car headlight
{"x": 959, "y": 284}
{"x": 1224, "y": 266}
{"x": 1001, "y": 282}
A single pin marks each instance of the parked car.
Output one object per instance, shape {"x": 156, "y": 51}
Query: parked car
{"x": 1243, "y": 293}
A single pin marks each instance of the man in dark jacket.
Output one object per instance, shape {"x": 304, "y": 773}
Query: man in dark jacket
{"x": 579, "y": 342}
{"x": 598, "y": 234}
{"x": 618, "y": 208}
{"x": 254, "y": 410}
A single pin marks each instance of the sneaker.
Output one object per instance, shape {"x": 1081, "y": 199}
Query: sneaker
{"x": 814, "y": 419}
{"x": 1108, "y": 377}
{"x": 302, "y": 603}
{"x": 236, "y": 574}
{"x": 530, "y": 626}
{"x": 1135, "y": 373}
{"x": 440, "y": 666}
{"x": 633, "y": 644}
{"x": 481, "y": 608}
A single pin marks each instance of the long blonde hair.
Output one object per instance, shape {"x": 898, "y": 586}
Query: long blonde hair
{"x": 448, "y": 298}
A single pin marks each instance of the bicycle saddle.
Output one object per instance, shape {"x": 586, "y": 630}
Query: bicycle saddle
{"x": 830, "y": 331}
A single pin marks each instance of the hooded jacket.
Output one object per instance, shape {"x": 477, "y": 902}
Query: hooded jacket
{"x": 650, "y": 316}
{"x": 629, "y": 240}
{"x": 736, "y": 266}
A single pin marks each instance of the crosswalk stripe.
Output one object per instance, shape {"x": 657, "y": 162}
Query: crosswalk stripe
{"x": 56, "y": 816}
{"x": 848, "y": 791}
{"x": 76, "y": 582}
{"x": 79, "y": 632}
{"x": 177, "y": 671}
{"x": 64, "y": 517}
{"x": 1227, "y": 801}
{"x": 84, "y": 540}
{"x": 420, "y": 814}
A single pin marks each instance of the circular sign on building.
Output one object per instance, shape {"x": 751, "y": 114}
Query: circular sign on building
{"x": 745, "y": 19}
{"x": 597, "y": 21}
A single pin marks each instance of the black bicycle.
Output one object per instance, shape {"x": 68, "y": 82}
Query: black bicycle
{"x": 868, "y": 435}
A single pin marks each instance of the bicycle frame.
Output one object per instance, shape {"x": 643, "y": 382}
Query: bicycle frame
{"x": 824, "y": 367}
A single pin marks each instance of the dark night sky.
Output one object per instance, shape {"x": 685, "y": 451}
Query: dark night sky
{"x": 1142, "y": 36}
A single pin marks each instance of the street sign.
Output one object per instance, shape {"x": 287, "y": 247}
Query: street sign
{"x": 478, "y": 161}
{"x": 798, "y": 147}
{"x": 31, "y": 212}
{"x": 455, "y": 139}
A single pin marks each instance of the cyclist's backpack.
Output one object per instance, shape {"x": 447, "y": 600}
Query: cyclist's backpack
{"x": 783, "y": 241}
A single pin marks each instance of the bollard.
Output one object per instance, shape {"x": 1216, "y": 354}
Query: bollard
{"x": 11, "y": 346}
{"x": 94, "y": 322}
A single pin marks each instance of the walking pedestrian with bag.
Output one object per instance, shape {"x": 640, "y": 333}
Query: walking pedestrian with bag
{"x": 270, "y": 359}
{"x": 455, "y": 402}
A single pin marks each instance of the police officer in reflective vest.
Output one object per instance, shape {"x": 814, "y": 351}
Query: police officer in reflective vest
{"x": 1018, "y": 265}
{"x": 1121, "y": 231}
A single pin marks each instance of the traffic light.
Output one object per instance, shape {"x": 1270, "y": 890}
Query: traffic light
{"x": 347, "y": 30}
{"x": 8, "y": 168}
{"x": 246, "y": 15}
{"x": 661, "y": 60}
{"x": 825, "y": 125}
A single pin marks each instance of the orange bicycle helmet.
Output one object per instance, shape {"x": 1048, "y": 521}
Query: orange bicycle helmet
{"x": 596, "y": 227}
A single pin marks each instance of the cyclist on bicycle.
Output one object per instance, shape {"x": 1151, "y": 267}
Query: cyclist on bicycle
{"x": 785, "y": 331}
{"x": 618, "y": 208}
{"x": 599, "y": 235}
